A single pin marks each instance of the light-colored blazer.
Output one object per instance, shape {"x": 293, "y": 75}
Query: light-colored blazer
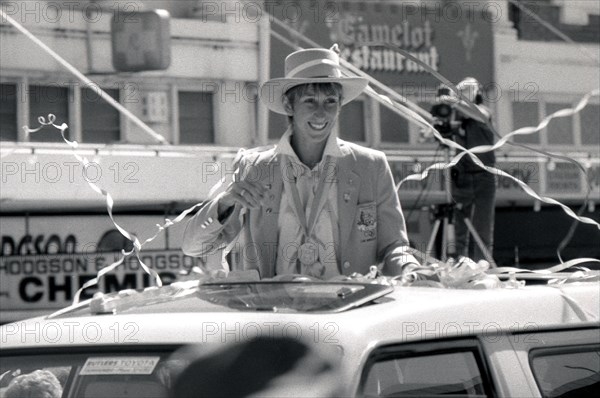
{"x": 371, "y": 225}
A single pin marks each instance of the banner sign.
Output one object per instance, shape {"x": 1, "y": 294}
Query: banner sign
{"x": 45, "y": 260}
{"x": 50, "y": 281}
{"x": 454, "y": 39}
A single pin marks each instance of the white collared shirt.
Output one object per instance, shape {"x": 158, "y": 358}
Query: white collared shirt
{"x": 326, "y": 227}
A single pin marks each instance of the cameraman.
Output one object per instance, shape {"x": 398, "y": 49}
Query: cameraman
{"x": 473, "y": 188}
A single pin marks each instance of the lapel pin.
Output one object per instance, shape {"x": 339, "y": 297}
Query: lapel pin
{"x": 346, "y": 197}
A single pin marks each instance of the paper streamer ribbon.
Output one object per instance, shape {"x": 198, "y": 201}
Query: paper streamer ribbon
{"x": 168, "y": 223}
{"x": 109, "y": 200}
{"x": 547, "y": 271}
{"x": 559, "y": 280}
{"x": 137, "y": 245}
{"x": 525, "y": 130}
{"x": 454, "y": 276}
{"x": 474, "y": 108}
{"x": 486, "y": 148}
{"x": 137, "y": 248}
{"x": 410, "y": 114}
{"x": 109, "y": 205}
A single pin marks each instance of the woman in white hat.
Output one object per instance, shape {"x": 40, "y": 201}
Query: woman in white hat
{"x": 313, "y": 204}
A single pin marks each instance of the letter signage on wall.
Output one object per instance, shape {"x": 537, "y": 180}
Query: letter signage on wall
{"x": 45, "y": 260}
{"x": 453, "y": 39}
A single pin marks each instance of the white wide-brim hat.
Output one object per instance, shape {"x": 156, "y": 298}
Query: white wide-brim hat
{"x": 313, "y": 65}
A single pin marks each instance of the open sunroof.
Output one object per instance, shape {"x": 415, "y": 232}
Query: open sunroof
{"x": 291, "y": 296}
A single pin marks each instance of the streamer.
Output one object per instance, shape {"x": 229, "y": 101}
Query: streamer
{"x": 137, "y": 245}
{"x": 493, "y": 170}
{"x": 486, "y": 148}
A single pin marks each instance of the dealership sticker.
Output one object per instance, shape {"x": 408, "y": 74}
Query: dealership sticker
{"x": 119, "y": 366}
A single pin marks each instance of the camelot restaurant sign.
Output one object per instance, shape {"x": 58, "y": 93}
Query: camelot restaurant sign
{"x": 453, "y": 39}
{"x": 416, "y": 39}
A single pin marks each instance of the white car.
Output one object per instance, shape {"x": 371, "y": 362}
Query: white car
{"x": 532, "y": 341}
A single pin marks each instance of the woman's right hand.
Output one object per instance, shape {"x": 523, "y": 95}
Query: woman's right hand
{"x": 247, "y": 193}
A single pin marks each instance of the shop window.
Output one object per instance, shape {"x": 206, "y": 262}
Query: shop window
{"x": 196, "y": 125}
{"x": 525, "y": 114}
{"x": 394, "y": 128}
{"x": 100, "y": 120}
{"x": 352, "y": 122}
{"x": 8, "y": 112}
{"x": 560, "y": 129}
{"x": 568, "y": 371}
{"x": 590, "y": 125}
{"x": 44, "y": 100}
{"x": 431, "y": 374}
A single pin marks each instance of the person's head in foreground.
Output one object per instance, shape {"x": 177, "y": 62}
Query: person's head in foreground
{"x": 262, "y": 367}
{"x": 37, "y": 384}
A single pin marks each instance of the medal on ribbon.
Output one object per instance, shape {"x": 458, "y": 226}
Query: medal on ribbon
{"x": 308, "y": 252}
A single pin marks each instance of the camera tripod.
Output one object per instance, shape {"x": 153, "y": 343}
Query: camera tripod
{"x": 445, "y": 215}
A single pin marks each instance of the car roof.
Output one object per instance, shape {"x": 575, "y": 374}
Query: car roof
{"x": 391, "y": 313}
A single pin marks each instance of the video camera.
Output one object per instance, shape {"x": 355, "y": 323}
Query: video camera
{"x": 443, "y": 115}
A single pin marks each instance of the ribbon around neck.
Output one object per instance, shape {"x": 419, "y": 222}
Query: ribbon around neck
{"x": 317, "y": 204}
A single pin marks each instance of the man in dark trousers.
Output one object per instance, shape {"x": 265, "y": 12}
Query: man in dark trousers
{"x": 473, "y": 188}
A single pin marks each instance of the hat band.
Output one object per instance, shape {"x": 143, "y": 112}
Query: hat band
{"x": 335, "y": 67}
